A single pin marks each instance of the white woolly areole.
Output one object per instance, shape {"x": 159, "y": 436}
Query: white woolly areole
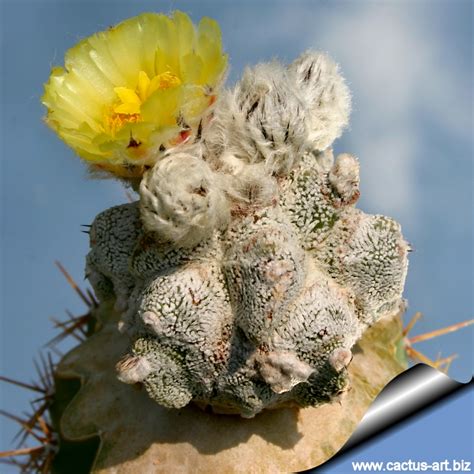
{"x": 261, "y": 120}
{"x": 248, "y": 184}
{"x": 132, "y": 369}
{"x": 325, "y": 95}
{"x": 181, "y": 200}
{"x": 340, "y": 358}
{"x": 344, "y": 178}
{"x": 283, "y": 370}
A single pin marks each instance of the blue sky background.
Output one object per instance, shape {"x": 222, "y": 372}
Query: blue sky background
{"x": 409, "y": 66}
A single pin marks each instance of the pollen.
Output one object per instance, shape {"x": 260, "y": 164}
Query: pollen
{"x": 114, "y": 121}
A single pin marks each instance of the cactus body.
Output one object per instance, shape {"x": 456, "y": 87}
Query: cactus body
{"x": 244, "y": 274}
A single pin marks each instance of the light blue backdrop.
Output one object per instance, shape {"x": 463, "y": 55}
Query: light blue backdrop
{"x": 444, "y": 432}
{"x": 409, "y": 66}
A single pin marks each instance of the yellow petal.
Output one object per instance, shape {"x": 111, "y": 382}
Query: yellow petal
{"x": 127, "y": 95}
{"x": 191, "y": 69}
{"x": 149, "y": 25}
{"x": 167, "y": 52}
{"x": 81, "y": 59}
{"x": 185, "y": 32}
{"x": 195, "y": 102}
{"x": 135, "y": 80}
{"x": 143, "y": 85}
{"x": 162, "y": 107}
{"x": 129, "y": 108}
{"x": 213, "y": 60}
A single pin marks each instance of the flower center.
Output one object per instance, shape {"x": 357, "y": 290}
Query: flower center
{"x": 127, "y": 108}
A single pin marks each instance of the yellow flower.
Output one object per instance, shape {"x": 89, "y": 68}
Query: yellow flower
{"x": 127, "y": 94}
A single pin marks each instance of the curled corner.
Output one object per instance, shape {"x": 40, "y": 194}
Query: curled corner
{"x": 408, "y": 394}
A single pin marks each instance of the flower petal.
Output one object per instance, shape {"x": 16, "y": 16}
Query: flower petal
{"x": 126, "y": 91}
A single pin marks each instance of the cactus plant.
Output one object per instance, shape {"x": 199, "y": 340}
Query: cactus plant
{"x": 244, "y": 273}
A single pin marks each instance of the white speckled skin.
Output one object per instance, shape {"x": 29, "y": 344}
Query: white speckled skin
{"x": 246, "y": 278}
{"x": 181, "y": 199}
